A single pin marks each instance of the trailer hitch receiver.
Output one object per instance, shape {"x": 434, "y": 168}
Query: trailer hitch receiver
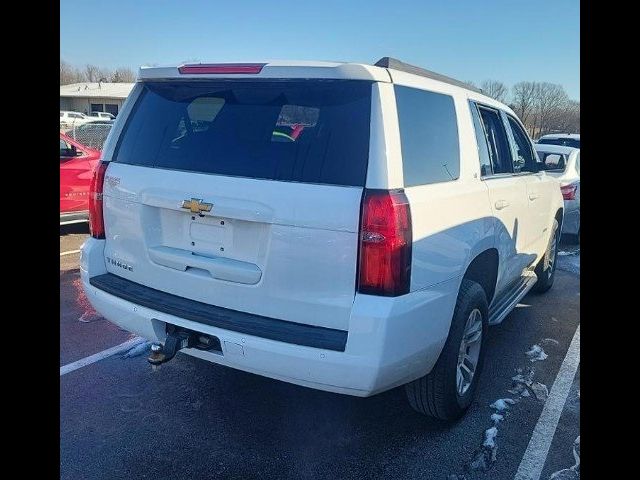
{"x": 177, "y": 339}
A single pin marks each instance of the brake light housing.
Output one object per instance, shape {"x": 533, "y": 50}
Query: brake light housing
{"x": 384, "y": 266}
{"x": 96, "y": 215}
{"x": 222, "y": 68}
{"x": 569, "y": 191}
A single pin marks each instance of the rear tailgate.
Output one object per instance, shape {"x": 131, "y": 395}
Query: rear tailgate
{"x": 244, "y": 195}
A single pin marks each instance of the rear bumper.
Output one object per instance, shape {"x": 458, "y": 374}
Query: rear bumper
{"x": 391, "y": 341}
{"x": 74, "y": 217}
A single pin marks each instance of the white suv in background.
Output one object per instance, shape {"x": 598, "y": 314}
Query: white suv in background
{"x": 102, "y": 116}
{"x": 73, "y": 119}
{"x": 345, "y": 227}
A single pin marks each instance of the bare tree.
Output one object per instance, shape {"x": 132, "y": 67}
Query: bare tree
{"x": 471, "y": 83}
{"x": 495, "y": 89}
{"x": 123, "y": 75}
{"x": 566, "y": 118}
{"x": 69, "y": 74}
{"x": 523, "y": 99}
{"x": 91, "y": 73}
{"x": 549, "y": 98}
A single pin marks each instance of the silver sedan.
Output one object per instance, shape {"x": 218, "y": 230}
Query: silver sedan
{"x": 564, "y": 164}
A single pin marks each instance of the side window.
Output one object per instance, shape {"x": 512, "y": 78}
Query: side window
{"x": 428, "y": 136}
{"x": 66, "y": 150}
{"x": 481, "y": 139}
{"x": 578, "y": 163}
{"x": 497, "y": 138}
{"x": 525, "y": 160}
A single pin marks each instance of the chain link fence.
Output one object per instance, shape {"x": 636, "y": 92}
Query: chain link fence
{"x": 92, "y": 135}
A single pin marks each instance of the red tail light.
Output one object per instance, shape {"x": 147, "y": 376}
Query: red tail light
{"x": 96, "y": 218}
{"x": 569, "y": 191}
{"x": 385, "y": 243}
{"x": 225, "y": 68}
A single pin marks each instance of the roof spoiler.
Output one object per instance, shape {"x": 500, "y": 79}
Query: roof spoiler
{"x": 395, "y": 64}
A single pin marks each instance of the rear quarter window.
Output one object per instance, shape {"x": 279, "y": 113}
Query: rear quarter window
{"x": 428, "y": 136}
{"x": 312, "y": 131}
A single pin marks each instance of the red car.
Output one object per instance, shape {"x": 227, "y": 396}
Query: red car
{"x": 76, "y": 169}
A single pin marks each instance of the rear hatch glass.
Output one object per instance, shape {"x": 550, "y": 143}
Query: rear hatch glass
{"x": 301, "y": 131}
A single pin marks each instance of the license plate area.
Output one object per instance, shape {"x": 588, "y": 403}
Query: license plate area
{"x": 209, "y": 235}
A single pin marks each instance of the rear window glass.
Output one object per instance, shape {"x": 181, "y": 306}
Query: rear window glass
{"x": 428, "y": 136}
{"x": 301, "y": 131}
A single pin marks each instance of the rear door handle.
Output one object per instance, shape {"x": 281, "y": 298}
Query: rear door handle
{"x": 500, "y": 204}
{"x": 534, "y": 196}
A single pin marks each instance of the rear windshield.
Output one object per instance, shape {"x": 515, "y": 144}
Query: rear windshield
{"x": 314, "y": 131}
{"x": 565, "y": 142}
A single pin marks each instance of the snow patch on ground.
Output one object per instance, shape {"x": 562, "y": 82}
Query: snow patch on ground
{"x": 502, "y": 404}
{"x": 569, "y": 261}
{"x": 572, "y": 472}
{"x": 138, "y": 350}
{"x": 536, "y": 354}
{"x": 496, "y": 418}
{"x": 89, "y": 316}
{"x": 486, "y": 456}
{"x": 539, "y": 390}
{"x": 490, "y": 435}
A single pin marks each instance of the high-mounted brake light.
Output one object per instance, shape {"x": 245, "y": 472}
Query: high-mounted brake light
{"x": 385, "y": 243}
{"x": 222, "y": 68}
{"x": 569, "y": 191}
{"x": 96, "y": 217}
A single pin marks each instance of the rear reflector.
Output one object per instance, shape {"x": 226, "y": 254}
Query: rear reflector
{"x": 96, "y": 217}
{"x": 385, "y": 243}
{"x": 222, "y": 68}
{"x": 569, "y": 191}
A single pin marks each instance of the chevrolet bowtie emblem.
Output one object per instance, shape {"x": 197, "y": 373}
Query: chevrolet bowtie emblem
{"x": 196, "y": 205}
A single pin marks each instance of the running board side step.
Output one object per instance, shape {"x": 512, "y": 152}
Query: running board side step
{"x": 501, "y": 307}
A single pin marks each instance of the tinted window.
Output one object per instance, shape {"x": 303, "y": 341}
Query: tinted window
{"x": 565, "y": 142}
{"x": 481, "y": 140}
{"x": 499, "y": 148}
{"x": 428, "y": 135}
{"x": 302, "y": 131}
{"x": 525, "y": 160}
{"x": 111, "y": 108}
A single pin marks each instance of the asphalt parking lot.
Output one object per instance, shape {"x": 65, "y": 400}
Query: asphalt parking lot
{"x": 191, "y": 419}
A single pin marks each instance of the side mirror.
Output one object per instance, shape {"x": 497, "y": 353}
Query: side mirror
{"x": 69, "y": 152}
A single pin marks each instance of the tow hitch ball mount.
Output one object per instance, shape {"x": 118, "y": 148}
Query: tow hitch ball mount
{"x": 176, "y": 340}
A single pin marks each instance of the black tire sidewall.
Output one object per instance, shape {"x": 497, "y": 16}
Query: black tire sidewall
{"x": 546, "y": 276}
{"x": 474, "y": 297}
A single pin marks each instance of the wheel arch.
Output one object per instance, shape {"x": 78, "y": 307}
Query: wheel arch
{"x": 483, "y": 269}
{"x": 559, "y": 216}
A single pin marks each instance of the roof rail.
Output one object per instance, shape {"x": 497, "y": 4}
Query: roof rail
{"x": 394, "y": 63}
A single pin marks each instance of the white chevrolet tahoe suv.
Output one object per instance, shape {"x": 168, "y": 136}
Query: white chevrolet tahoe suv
{"x": 345, "y": 227}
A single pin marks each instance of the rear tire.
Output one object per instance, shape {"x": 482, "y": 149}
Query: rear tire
{"x": 440, "y": 394}
{"x": 546, "y": 268}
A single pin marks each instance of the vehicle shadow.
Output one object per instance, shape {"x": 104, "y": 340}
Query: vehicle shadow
{"x": 74, "y": 228}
